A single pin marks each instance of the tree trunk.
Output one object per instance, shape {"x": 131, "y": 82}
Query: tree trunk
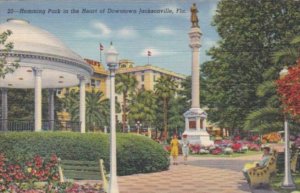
{"x": 165, "y": 118}
{"x": 124, "y": 112}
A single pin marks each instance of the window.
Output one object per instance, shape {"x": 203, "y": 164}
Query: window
{"x": 143, "y": 87}
{"x": 143, "y": 78}
{"x": 58, "y": 91}
{"x": 97, "y": 83}
{"x": 93, "y": 82}
{"x": 154, "y": 77}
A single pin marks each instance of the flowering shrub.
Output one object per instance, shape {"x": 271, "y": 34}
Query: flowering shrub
{"x": 237, "y": 138}
{"x": 228, "y": 151}
{"x": 195, "y": 148}
{"x": 254, "y": 138}
{"x": 30, "y": 172}
{"x": 216, "y": 151}
{"x": 226, "y": 147}
{"x": 273, "y": 137}
{"x": 224, "y": 143}
{"x": 288, "y": 87}
{"x": 67, "y": 187}
{"x": 204, "y": 151}
{"x": 167, "y": 148}
{"x": 37, "y": 176}
{"x": 253, "y": 147}
{"x": 236, "y": 147}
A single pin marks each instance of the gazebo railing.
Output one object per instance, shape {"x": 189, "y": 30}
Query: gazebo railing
{"x": 47, "y": 125}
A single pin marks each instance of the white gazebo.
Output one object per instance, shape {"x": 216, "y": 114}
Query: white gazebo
{"x": 45, "y": 63}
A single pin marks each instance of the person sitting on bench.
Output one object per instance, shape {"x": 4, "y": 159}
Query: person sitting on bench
{"x": 265, "y": 159}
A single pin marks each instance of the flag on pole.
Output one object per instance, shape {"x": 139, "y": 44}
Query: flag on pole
{"x": 101, "y": 47}
{"x": 149, "y": 53}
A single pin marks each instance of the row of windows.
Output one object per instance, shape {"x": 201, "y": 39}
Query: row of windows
{"x": 94, "y": 83}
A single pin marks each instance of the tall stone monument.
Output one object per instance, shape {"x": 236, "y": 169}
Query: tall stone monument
{"x": 195, "y": 117}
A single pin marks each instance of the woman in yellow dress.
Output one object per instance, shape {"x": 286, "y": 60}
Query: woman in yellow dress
{"x": 174, "y": 149}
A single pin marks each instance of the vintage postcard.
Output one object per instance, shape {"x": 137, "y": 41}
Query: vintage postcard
{"x": 139, "y": 96}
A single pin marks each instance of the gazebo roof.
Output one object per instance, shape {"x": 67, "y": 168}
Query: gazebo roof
{"x": 27, "y": 37}
{"x": 37, "y": 48}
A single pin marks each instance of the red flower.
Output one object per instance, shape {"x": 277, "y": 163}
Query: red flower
{"x": 289, "y": 89}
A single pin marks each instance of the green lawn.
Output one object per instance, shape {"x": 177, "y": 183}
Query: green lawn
{"x": 276, "y": 183}
{"x": 229, "y": 156}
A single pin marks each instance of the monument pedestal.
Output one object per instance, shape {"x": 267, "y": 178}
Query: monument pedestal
{"x": 195, "y": 127}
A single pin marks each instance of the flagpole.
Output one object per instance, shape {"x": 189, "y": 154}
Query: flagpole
{"x": 100, "y": 48}
{"x": 100, "y": 56}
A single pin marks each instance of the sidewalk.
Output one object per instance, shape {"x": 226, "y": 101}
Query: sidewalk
{"x": 201, "y": 175}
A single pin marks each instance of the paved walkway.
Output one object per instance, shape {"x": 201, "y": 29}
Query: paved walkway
{"x": 201, "y": 175}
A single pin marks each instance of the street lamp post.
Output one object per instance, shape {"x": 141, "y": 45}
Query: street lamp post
{"x": 287, "y": 182}
{"x": 112, "y": 63}
{"x": 138, "y": 125}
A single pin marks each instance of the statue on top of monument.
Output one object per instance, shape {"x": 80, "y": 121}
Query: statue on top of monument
{"x": 194, "y": 17}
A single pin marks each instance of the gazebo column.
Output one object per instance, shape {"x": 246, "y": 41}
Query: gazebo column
{"x": 82, "y": 103}
{"x": 4, "y": 109}
{"x": 51, "y": 108}
{"x": 37, "y": 99}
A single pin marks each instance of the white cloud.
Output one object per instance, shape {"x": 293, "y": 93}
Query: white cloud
{"x": 163, "y": 30}
{"x": 97, "y": 30}
{"x": 103, "y": 28}
{"x": 86, "y": 34}
{"x": 127, "y": 32}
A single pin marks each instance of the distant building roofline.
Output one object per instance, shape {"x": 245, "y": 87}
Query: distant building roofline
{"x": 151, "y": 67}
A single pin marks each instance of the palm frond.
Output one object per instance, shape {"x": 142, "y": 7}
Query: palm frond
{"x": 261, "y": 116}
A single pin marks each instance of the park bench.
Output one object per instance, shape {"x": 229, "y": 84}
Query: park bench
{"x": 260, "y": 176}
{"x": 83, "y": 170}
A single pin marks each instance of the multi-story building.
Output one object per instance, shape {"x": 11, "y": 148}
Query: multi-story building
{"x": 98, "y": 80}
{"x": 146, "y": 76}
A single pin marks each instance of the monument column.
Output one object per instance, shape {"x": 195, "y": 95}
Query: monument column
{"x": 195, "y": 118}
{"x": 195, "y": 36}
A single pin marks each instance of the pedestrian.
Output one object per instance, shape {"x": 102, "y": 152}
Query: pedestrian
{"x": 174, "y": 149}
{"x": 185, "y": 148}
{"x": 263, "y": 162}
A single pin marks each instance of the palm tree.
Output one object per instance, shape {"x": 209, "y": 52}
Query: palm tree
{"x": 165, "y": 88}
{"x": 125, "y": 85}
{"x": 71, "y": 104}
{"x": 143, "y": 107}
{"x": 270, "y": 116}
{"x": 97, "y": 108}
{"x": 94, "y": 112}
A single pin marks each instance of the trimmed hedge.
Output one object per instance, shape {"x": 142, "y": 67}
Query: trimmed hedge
{"x": 135, "y": 154}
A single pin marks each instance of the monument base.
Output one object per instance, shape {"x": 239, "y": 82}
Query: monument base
{"x": 199, "y": 136}
{"x": 195, "y": 127}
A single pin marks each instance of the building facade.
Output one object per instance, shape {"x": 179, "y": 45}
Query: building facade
{"x": 146, "y": 76}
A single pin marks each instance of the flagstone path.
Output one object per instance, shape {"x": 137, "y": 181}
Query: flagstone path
{"x": 201, "y": 175}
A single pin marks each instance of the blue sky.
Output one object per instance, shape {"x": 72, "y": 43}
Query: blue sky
{"x": 164, "y": 34}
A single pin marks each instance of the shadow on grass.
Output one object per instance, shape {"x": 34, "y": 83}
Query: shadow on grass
{"x": 276, "y": 183}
